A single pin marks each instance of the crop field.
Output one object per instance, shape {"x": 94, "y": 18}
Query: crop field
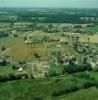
{"x": 20, "y": 51}
{"x": 89, "y": 39}
{"x": 27, "y": 52}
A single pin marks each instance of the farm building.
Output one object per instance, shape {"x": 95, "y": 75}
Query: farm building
{"x": 39, "y": 69}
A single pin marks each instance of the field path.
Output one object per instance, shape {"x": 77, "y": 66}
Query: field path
{"x": 5, "y": 51}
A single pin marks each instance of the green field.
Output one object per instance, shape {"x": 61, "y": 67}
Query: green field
{"x": 43, "y": 89}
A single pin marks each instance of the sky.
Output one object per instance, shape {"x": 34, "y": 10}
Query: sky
{"x": 50, "y": 3}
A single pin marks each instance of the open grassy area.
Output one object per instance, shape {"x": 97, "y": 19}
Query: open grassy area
{"x": 84, "y": 94}
{"x": 43, "y": 88}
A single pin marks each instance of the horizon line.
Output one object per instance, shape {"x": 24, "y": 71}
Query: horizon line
{"x": 50, "y": 7}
